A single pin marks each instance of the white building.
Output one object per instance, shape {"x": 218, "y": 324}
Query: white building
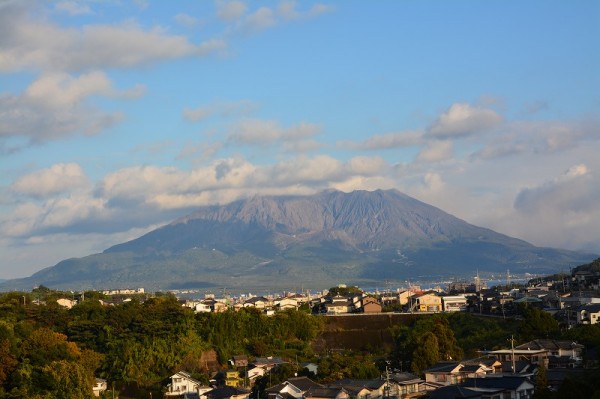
{"x": 125, "y": 291}
{"x": 182, "y": 383}
{"x": 454, "y": 303}
{"x": 100, "y": 386}
{"x": 286, "y": 303}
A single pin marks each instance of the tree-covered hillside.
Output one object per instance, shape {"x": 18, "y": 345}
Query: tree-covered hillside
{"x": 593, "y": 266}
{"x": 48, "y": 351}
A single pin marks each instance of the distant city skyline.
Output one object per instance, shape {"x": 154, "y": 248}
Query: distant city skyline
{"x": 117, "y": 117}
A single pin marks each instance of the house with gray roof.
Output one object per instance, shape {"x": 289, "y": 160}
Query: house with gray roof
{"x": 375, "y": 387}
{"x": 406, "y": 384}
{"x": 293, "y": 388}
{"x": 326, "y": 393}
{"x": 444, "y": 373}
{"x": 484, "y": 388}
{"x": 268, "y": 363}
{"x": 561, "y": 354}
{"x": 507, "y": 386}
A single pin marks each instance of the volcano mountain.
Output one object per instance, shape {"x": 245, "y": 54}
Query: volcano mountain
{"x": 292, "y": 242}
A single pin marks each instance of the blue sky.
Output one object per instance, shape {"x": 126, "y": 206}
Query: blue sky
{"x": 117, "y": 117}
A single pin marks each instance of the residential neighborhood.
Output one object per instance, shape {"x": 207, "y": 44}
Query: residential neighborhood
{"x": 340, "y": 343}
{"x": 508, "y": 372}
{"x": 503, "y": 373}
{"x": 571, "y": 301}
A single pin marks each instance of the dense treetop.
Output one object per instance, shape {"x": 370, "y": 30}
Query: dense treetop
{"x": 46, "y": 349}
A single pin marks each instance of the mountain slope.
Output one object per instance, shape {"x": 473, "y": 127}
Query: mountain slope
{"x": 312, "y": 241}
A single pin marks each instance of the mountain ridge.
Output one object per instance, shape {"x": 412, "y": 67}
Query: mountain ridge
{"x": 331, "y": 237}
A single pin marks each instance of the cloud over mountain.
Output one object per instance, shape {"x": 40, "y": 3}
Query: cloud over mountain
{"x": 57, "y": 179}
{"x": 265, "y": 242}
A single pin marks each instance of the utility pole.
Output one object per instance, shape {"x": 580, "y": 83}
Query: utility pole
{"x": 512, "y": 350}
{"x": 387, "y": 380}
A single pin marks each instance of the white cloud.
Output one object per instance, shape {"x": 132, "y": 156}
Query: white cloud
{"x": 230, "y": 10}
{"x": 60, "y": 90}
{"x": 260, "y": 19}
{"x": 198, "y": 114}
{"x": 62, "y": 213}
{"x": 436, "y": 151}
{"x": 386, "y": 141}
{"x": 67, "y": 211}
{"x": 320, "y": 172}
{"x": 535, "y": 137}
{"x": 563, "y": 211}
{"x": 259, "y": 132}
{"x": 42, "y": 45}
{"x": 303, "y": 170}
{"x": 266, "y": 17}
{"x": 287, "y": 10}
{"x": 367, "y": 166}
{"x": 498, "y": 150}
{"x": 186, "y": 20}
{"x": 559, "y": 136}
{"x": 433, "y": 182}
{"x": 128, "y": 45}
{"x": 51, "y": 181}
{"x": 73, "y": 7}
{"x": 319, "y": 9}
{"x": 142, "y": 195}
{"x": 199, "y": 152}
{"x": 21, "y": 221}
{"x": 462, "y": 119}
{"x": 301, "y": 146}
{"x": 150, "y": 186}
{"x": 577, "y": 170}
{"x": 221, "y": 109}
{"x": 139, "y": 183}
{"x": 56, "y": 105}
{"x": 370, "y": 183}
{"x": 575, "y": 191}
